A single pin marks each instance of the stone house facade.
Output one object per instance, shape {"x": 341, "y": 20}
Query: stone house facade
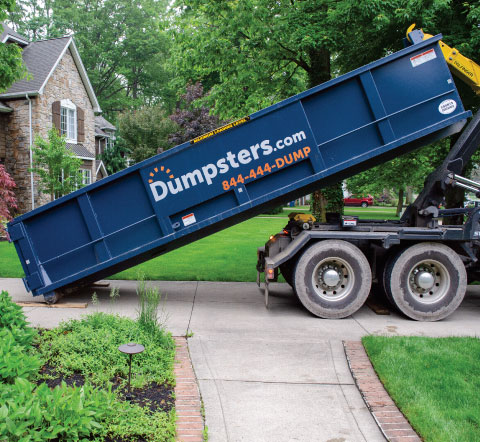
{"x": 57, "y": 94}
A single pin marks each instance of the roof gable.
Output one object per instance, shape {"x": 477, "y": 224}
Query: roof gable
{"x": 8, "y": 34}
{"x": 41, "y": 59}
{"x": 102, "y": 123}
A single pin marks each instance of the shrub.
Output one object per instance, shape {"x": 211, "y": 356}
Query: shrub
{"x": 31, "y": 413}
{"x": 274, "y": 210}
{"x": 11, "y": 315}
{"x": 13, "y": 318}
{"x": 14, "y": 358}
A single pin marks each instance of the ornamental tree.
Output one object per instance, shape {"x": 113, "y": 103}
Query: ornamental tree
{"x": 193, "y": 119}
{"x": 57, "y": 167}
{"x": 8, "y": 201}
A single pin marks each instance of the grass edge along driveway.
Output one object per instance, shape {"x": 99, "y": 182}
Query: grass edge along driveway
{"x": 229, "y": 255}
{"x": 434, "y": 381}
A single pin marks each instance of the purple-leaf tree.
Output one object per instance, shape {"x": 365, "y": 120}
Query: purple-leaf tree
{"x": 8, "y": 201}
{"x": 194, "y": 120}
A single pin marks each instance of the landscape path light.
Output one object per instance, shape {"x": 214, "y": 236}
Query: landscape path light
{"x": 131, "y": 349}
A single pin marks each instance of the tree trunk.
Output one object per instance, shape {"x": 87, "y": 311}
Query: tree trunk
{"x": 329, "y": 199}
{"x": 409, "y": 197}
{"x": 317, "y": 203}
{"x": 400, "y": 202}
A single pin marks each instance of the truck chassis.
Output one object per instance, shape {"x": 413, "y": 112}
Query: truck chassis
{"x": 423, "y": 267}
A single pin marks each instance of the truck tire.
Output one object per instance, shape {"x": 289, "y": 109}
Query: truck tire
{"x": 426, "y": 282}
{"x": 333, "y": 279}
{"x": 384, "y": 279}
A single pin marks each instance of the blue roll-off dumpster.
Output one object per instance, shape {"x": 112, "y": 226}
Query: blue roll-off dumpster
{"x": 280, "y": 153}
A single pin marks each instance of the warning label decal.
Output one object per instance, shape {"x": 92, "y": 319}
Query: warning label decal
{"x": 189, "y": 219}
{"x": 419, "y": 59}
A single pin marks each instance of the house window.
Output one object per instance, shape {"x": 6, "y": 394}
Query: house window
{"x": 68, "y": 120}
{"x": 86, "y": 176}
{"x": 108, "y": 143}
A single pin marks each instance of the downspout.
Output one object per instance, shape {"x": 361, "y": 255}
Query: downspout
{"x": 31, "y": 153}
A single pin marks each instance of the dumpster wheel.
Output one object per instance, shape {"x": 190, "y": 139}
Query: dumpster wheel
{"x": 333, "y": 279}
{"x": 52, "y": 297}
{"x": 426, "y": 282}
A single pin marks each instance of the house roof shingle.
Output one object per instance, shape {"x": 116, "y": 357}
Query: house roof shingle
{"x": 40, "y": 57}
{"x": 9, "y": 32}
{"x": 99, "y": 132}
{"x": 80, "y": 151}
{"x": 102, "y": 123}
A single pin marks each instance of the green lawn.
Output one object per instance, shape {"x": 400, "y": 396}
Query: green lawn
{"x": 434, "y": 381}
{"x": 374, "y": 212}
{"x": 229, "y": 255}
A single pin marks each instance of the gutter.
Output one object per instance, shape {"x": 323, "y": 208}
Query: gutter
{"x": 31, "y": 144}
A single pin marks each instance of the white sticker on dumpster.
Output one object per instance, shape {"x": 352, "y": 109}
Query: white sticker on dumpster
{"x": 447, "y": 106}
{"x": 423, "y": 57}
{"x": 189, "y": 219}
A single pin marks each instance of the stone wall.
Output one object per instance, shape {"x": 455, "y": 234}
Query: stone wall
{"x": 17, "y": 161}
{"x": 65, "y": 83}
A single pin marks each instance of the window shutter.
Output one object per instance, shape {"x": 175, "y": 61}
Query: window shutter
{"x": 80, "y": 125}
{"x": 56, "y": 115}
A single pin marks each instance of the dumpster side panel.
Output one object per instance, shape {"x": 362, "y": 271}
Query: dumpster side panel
{"x": 327, "y": 133}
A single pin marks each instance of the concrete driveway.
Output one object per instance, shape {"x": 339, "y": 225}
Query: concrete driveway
{"x": 266, "y": 375}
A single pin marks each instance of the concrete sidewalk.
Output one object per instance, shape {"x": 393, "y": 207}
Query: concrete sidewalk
{"x": 266, "y": 375}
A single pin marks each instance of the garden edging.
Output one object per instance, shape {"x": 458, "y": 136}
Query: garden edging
{"x": 188, "y": 405}
{"x": 391, "y": 421}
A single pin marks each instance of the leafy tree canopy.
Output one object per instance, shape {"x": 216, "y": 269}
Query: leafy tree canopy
{"x": 121, "y": 42}
{"x": 144, "y": 131}
{"x": 11, "y": 64}
{"x": 256, "y": 52}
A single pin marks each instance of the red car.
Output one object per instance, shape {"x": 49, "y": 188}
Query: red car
{"x": 358, "y": 200}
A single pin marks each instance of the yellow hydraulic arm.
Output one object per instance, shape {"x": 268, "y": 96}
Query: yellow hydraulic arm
{"x": 462, "y": 67}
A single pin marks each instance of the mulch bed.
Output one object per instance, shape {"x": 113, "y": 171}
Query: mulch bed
{"x": 154, "y": 396}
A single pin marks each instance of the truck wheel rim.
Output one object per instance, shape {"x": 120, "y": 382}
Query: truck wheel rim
{"x": 333, "y": 279}
{"x": 428, "y": 281}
